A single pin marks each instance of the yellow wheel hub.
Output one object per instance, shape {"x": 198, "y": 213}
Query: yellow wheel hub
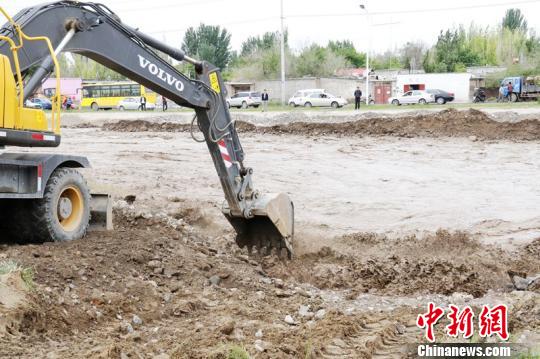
{"x": 70, "y": 208}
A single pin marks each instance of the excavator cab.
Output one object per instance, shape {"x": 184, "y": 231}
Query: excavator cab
{"x": 21, "y": 126}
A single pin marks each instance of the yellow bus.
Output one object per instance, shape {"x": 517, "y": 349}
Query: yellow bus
{"x": 106, "y": 95}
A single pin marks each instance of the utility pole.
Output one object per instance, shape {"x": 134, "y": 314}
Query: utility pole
{"x": 282, "y": 56}
{"x": 363, "y": 7}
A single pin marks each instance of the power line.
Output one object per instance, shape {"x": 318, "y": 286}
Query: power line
{"x": 415, "y": 11}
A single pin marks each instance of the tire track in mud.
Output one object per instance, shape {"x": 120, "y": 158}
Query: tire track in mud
{"x": 376, "y": 337}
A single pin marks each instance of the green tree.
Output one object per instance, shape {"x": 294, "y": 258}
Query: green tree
{"x": 514, "y": 20}
{"x": 346, "y": 49}
{"x": 210, "y": 43}
{"x": 412, "y": 54}
{"x": 452, "y": 53}
{"x": 265, "y": 42}
{"x": 316, "y": 60}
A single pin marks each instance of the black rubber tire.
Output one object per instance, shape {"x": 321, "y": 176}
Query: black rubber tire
{"x": 44, "y": 213}
{"x": 422, "y": 101}
{"x": 514, "y": 97}
{"x": 121, "y": 108}
{"x": 308, "y": 104}
{"x": 94, "y": 106}
{"x": 441, "y": 101}
{"x": 292, "y": 104}
{"x": 244, "y": 105}
{"x": 334, "y": 104}
{"x": 395, "y": 102}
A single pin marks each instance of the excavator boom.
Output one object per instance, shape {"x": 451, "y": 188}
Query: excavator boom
{"x": 263, "y": 221}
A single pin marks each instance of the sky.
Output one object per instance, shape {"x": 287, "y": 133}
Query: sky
{"x": 389, "y": 25}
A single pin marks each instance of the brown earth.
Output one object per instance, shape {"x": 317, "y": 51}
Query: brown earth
{"x": 446, "y": 123}
{"x": 88, "y": 292}
{"x": 174, "y": 284}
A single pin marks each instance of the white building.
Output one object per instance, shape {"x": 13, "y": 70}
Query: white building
{"x": 459, "y": 84}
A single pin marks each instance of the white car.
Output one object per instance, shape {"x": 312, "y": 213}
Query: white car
{"x": 299, "y": 98}
{"x": 245, "y": 100}
{"x": 133, "y": 103}
{"x": 324, "y": 100}
{"x": 412, "y": 97}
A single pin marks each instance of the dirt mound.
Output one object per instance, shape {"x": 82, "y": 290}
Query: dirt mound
{"x": 148, "y": 288}
{"x": 144, "y": 126}
{"x": 447, "y": 123}
{"x": 443, "y": 263}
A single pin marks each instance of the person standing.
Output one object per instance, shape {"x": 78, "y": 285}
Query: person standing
{"x": 164, "y": 104}
{"x": 264, "y": 98}
{"x": 510, "y": 88}
{"x": 143, "y": 103}
{"x": 357, "y": 98}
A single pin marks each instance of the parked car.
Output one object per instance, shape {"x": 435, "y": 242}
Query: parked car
{"x": 441, "y": 96}
{"x": 412, "y": 97}
{"x": 324, "y": 100}
{"x": 245, "y": 100}
{"x": 299, "y": 98}
{"x": 133, "y": 103}
{"x": 41, "y": 103}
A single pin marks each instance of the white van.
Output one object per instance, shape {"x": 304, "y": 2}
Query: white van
{"x": 299, "y": 98}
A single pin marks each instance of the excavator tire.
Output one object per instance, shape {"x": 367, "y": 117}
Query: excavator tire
{"x": 63, "y": 214}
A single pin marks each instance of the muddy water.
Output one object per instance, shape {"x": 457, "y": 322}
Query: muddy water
{"x": 387, "y": 185}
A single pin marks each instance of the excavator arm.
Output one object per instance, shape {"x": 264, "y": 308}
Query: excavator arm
{"x": 262, "y": 221}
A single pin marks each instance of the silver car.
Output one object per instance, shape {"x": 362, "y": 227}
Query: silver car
{"x": 299, "y": 98}
{"x": 412, "y": 97}
{"x": 132, "y": 103}
{"x": 324, "y": 100}
{"x": 245, "y": 100}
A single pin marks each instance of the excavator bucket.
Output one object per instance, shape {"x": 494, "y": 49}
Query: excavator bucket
{"x": 271, "y": 228}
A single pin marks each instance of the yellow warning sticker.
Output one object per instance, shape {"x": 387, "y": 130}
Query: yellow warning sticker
{"x": 214, "y": 82}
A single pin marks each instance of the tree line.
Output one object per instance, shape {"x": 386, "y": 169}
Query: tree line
{"x": 510, "y": 43}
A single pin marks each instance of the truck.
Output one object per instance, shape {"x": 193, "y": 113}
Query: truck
{"x": 43, "y": 197}
{"x": 524, "y": 88}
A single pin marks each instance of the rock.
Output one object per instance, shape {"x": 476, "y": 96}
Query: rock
{"x": 126, "y": 328}
{"x": 289, "y": 320}
{"x": 303, "y": 311}
{"x": 227, "y": 328}
{"x": 260, "y": 345}
{"x": 473, "y": 138}
{"x": 161, "y": 356}
{"x": 259, "y": 333}
{"x": 154, "y": 264}
{"x": 278, "y": 283}
{"x": 158, "y": 270}
{"x": 320, "y": 314}
{"x": 283, "y": 293}
{"x": 137, "y": 320}
{"x": 304, "y": 293}
{"x": 520, "y": 283}
{"x": 214, "y": 280}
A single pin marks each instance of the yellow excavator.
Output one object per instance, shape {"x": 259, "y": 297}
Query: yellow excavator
{"x": 42, "y": 196}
